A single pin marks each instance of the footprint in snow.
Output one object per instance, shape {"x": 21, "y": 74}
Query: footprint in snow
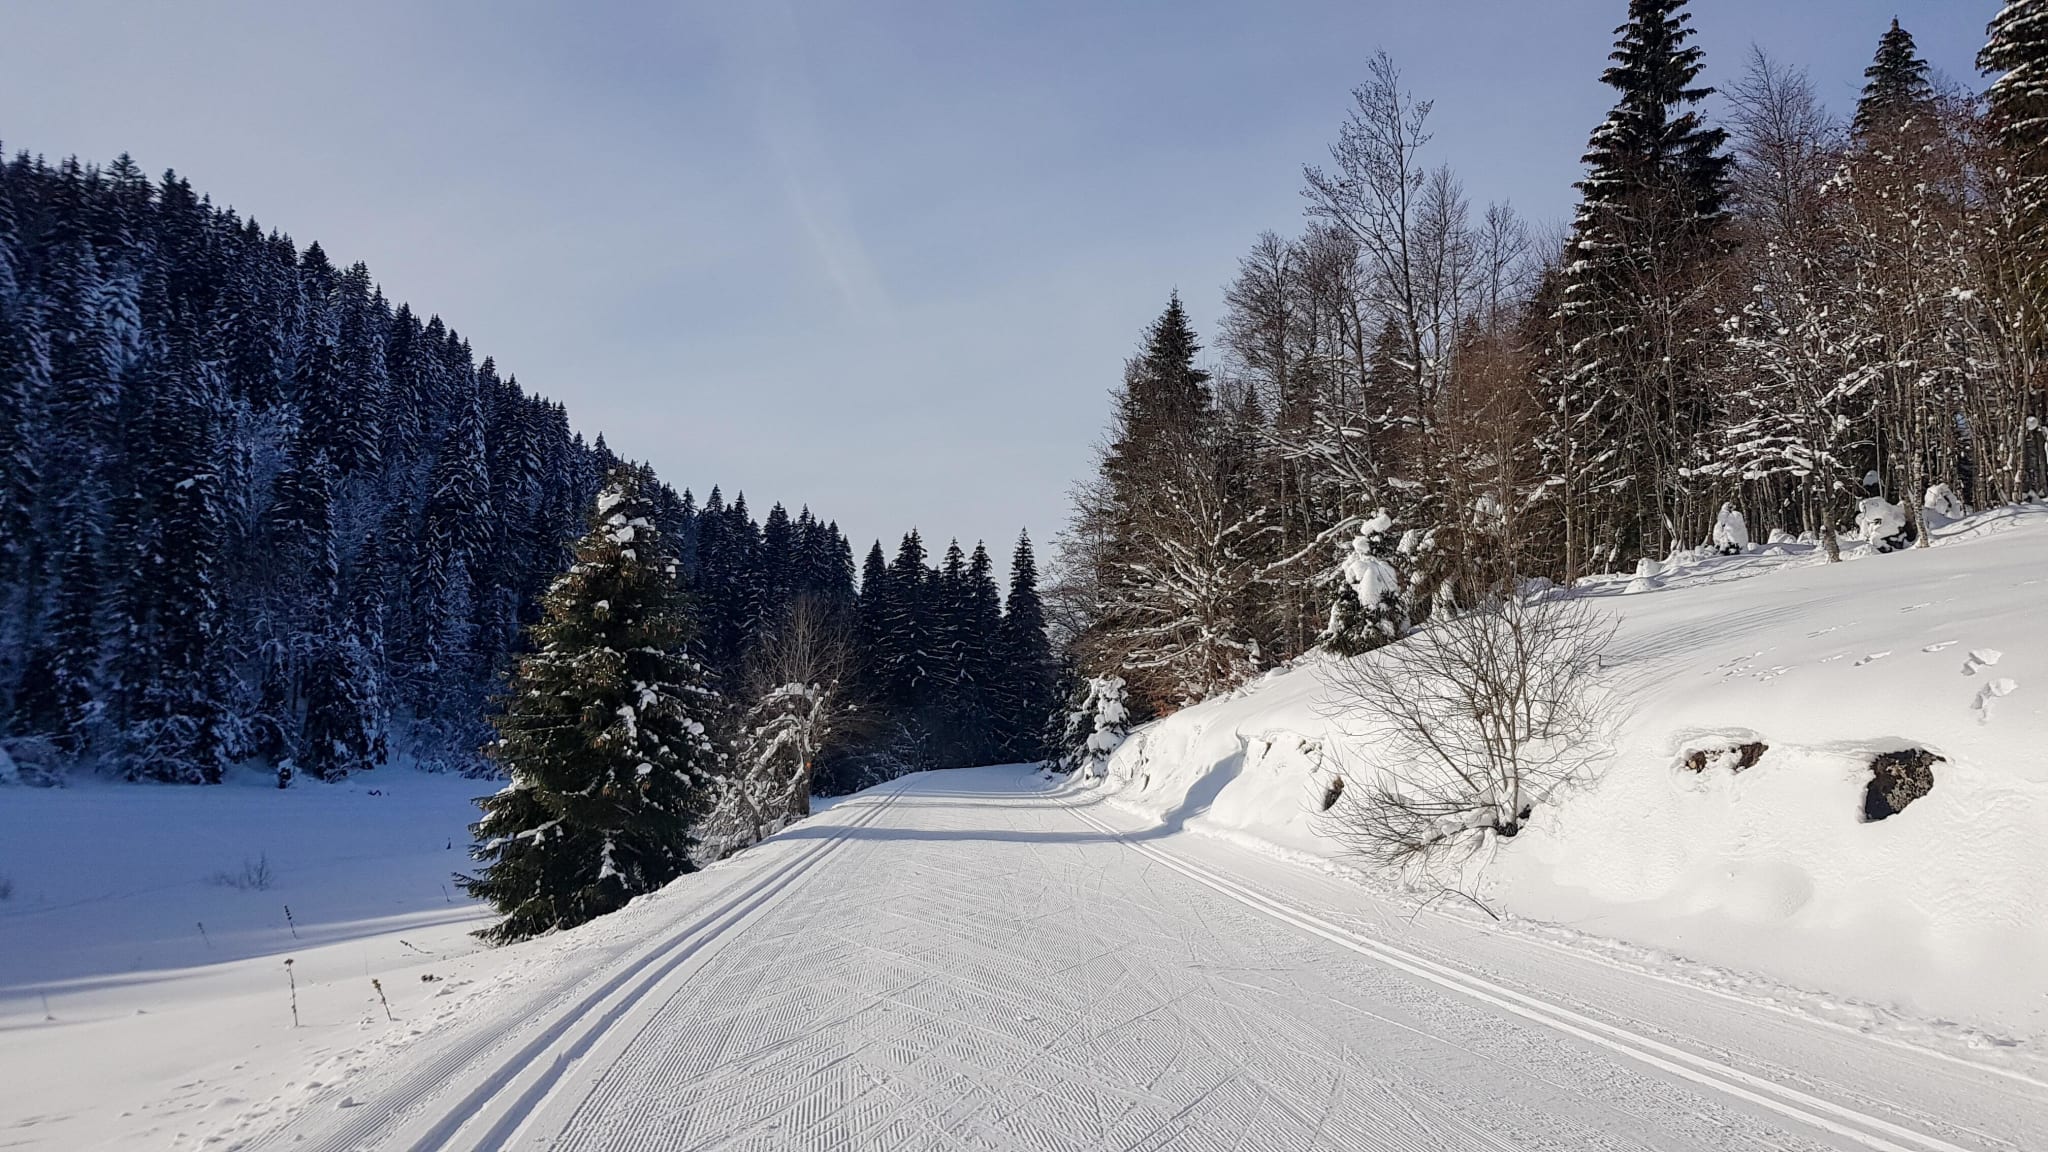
{"x": 1912, "y": 607}
{"x": 1939, "y": 646}
{"x": 1981, "y": 658}
{"x": 1835, "y": 657}
{"x": 1989, "y": 694}
{"x": 1874, "y": 656}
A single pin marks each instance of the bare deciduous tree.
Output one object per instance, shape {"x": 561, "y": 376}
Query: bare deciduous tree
{"x": 795, "y": 678}
{"x": 1466, "y": 724}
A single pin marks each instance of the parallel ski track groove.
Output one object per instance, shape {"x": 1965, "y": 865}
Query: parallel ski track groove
{"x": 1881, "y": 1134}
{"x": 369, "y": 1127}
{"x": 674, "y": 952}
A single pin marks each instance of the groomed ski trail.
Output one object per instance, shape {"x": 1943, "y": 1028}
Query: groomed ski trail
{"x": 962, "y": 960}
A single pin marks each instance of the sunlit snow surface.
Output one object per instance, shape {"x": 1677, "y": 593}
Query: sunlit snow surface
{"x": 1940, "y": 911}
{"x": 988, "y": 958}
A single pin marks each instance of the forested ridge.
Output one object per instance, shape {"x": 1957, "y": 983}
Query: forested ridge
{"x": 251, "y": 511}
{"x": 1765, "y": 321}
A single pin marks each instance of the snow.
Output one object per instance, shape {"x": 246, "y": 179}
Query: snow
{"x": 1714, "y": 959}
{"x": 1371, "y": 578}
{"x": 1942, "y": 501}
{"x": 1881, "y": 522}
{"x": 1937, "y": 912}
{"x": 958, "y": 958}
{"x": 1731, "y": 531}
{"x": 139, "y": 927}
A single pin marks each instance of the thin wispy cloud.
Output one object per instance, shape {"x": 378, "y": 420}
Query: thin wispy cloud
{"x": 764, "y": 46}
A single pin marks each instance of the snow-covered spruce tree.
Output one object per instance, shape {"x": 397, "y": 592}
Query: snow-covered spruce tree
{"x": 1637, "y": 312}
{"x": 1098, "y": 719}
{"x": 1027, "y": 666}
{"x": 1895, "y": 85}
{"x": 1370, "y": 607}
{"x": 2017, "y": 53}
{"x": 608, "y": 735}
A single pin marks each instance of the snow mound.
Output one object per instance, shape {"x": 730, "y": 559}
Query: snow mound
{"x": 1756, "y": 693}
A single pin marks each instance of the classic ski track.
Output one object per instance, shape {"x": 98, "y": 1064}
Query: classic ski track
{"x": 377, "y": 1123}
{"x": 1874, "y": 1132}
{"x": 879, "y": 1013}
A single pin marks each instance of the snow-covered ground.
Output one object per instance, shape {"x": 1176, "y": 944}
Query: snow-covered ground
{"x": 1939, "y": 913}
{"x": 988, "y": 958}
{"x": 143, "y": 990}
{"x": 969, "y": 958}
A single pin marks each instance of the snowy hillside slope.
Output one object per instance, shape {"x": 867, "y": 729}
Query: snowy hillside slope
{"x": 1939, "y": 911}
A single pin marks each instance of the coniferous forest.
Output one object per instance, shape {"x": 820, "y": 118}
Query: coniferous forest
{"x": 252, "y": 512}
{"x": 1765, "y": 320}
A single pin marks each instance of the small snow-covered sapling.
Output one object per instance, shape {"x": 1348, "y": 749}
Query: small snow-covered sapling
{"x": 208, "y": 940}
{"x": 294, "y": 981}
{"x": 289, "y": 922}
{"x": 379, "y": 986}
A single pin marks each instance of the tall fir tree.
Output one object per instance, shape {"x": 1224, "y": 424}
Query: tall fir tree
{"x": 1027, "y": 670}
{"x": 610, "y": 736}
{"x": 1633, "y": 410}
{"x": 176, "y": 667}
{"x": 1895, "y": 86}
{"x": 2016, "y": 53}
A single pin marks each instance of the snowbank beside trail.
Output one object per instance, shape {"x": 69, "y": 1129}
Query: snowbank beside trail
{"x": 1939, "y": 910}
{"x": 143, "y": 993}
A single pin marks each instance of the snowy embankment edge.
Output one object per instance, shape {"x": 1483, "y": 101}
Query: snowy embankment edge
{"x": 1767, "y": 883}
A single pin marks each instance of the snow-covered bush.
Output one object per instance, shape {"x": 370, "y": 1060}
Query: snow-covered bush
{"x": 1096, "y": 725}
{"x": 1731, "y": 531}
{"x": 1648, "y": 577}
{"x": 1941, "y": 500}
{"x": 1468, "y": 723}
{"x": 1371, "y": 607}
{"x": 1882, "y": 523}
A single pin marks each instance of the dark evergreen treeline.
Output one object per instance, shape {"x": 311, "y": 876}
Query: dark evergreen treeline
{"x": 250, "y": 510}
{"x": 940, "y": 668}
{"x": 956, "y": 672}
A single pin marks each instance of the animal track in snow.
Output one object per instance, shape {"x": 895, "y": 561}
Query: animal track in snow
{"x": 1874, "y": 656}
{"x": 1938, "y": 646}
{"x": 1912, "y": 607}
{"x": 1981, "y": 658}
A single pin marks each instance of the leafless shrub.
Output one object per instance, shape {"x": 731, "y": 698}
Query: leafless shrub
{"x": 1468, "y": 723}
{"x": 254, "y": 876}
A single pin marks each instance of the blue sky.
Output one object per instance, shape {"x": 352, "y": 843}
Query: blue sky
{"x": 883, "y": 258}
